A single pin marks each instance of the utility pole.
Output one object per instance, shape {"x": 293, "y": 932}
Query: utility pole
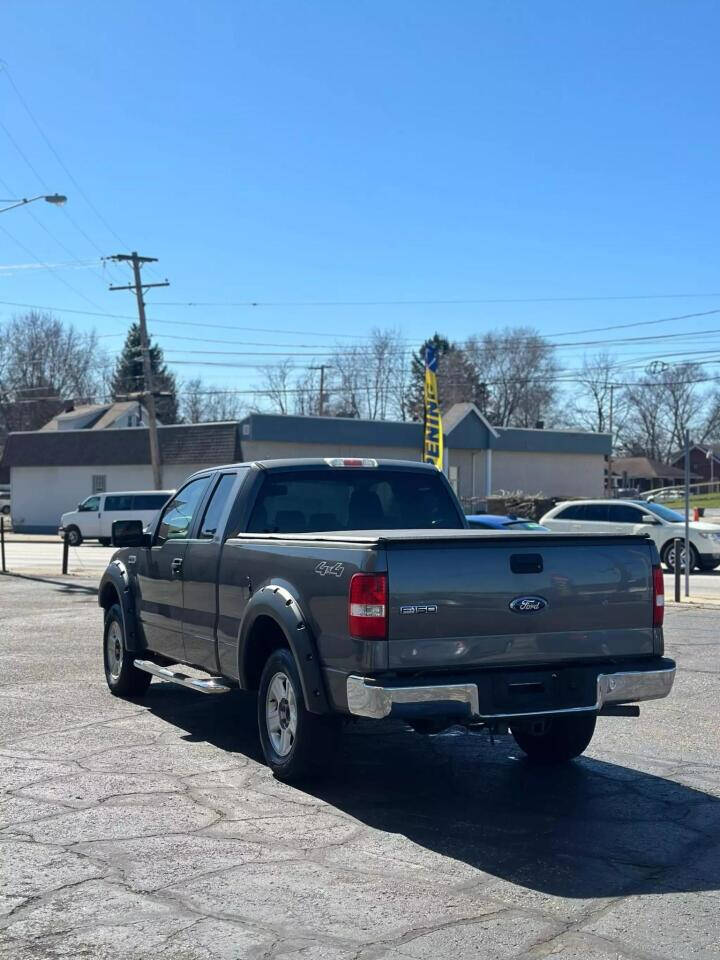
{"x": 321, "y": 402}
{"x": 139, "y": 288}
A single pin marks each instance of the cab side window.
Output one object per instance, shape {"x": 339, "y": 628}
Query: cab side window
{"x": 178, "y": 515}
{"x": 91, "y": 505}
{"x": 216, "y": 506}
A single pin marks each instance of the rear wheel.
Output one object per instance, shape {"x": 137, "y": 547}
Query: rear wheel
{"x": 296, "y": 743}
{"x": 556, "y": 739}
{"x": 668, "y": 557}
{"x": 122, "y": 676}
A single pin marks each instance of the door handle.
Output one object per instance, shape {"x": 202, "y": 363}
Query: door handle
{"x": 176, "y": 567}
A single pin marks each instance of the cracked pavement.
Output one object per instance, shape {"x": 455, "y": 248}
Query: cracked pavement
{"x": 152, "y": 829}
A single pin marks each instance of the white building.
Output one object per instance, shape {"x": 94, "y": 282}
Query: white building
{"x": 51, "y": 471}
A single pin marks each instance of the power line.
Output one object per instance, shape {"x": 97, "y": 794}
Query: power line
{"x": 8, "y": 75}
{"x": 47, "y": 267}
{"x": 436, "y": 302}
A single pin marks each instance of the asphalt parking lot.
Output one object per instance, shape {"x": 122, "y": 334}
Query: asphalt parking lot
{"x": 152, "y": 829}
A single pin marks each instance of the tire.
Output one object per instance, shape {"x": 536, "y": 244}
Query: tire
{"x": 104, "y": 541}
{"x": 6, "y": 511}
{"x": 559, "y": 740}
{"x": 668, "y": 557}
{"x": 122, "y": 676}
{"x": 296, "y": 744}
{"x": 74, "y": 536}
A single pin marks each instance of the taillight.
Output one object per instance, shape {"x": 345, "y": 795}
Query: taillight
{"x": 658, "y": 597}
{"x": 367, "y": 605}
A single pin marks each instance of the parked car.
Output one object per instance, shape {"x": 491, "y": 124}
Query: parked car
{"x": 347, "y": 588}
{"x": 94, "y": 517}
{"x": 660, "y": 523}
{"x": 492, "y": 521}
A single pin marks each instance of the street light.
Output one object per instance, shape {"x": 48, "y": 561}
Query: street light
{"x": 55, "y": 198}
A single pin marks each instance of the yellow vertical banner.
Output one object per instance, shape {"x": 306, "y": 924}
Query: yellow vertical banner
{"x": 433, "y": 433}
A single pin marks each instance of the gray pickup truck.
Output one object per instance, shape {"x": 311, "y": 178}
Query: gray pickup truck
{"x": 345, "y": 588}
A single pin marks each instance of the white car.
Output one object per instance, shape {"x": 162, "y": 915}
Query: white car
{"x": 94, "y": 517}
{"x": 637, "y": 516}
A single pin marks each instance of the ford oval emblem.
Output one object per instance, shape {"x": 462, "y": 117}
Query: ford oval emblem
{"x": 528, "y": 604}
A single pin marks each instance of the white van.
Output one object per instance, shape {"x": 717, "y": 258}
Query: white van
{"x": 94, "y": 517}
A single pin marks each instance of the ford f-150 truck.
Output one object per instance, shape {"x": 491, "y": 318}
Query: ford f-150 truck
{"x": 344, "y": 588}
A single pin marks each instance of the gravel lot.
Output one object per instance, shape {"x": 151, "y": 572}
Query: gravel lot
{"x": 139, "y": 830}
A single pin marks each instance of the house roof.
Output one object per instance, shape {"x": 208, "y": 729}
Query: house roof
{"x": 644, "y": 467}
{"x": 196, "y": 443}
{"x": 83, "y": 409}
{"x": 704, "y": 448}
{"x": 114, "y": 411}
{"x": 101, "y": 415}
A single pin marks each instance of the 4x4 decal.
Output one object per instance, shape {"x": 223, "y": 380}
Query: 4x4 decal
{"x": 330, "y": 569}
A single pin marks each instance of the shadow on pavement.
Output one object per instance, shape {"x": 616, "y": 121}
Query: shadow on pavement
{"x": 588, "y": 829}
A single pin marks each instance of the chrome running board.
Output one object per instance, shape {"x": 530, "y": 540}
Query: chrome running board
{"x": 211, "y": 685}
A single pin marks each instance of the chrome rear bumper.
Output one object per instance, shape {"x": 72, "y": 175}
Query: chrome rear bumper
{"x": 367, "y": 699}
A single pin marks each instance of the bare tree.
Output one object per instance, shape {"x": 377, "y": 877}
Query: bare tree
{"x": 44, "y": 363}
{"x": 369, "y": 381}
{"x": 277, "y": 386}
{"x": 661, "y": 407}
{"x": 200, "y": 403}
{"x": 520, "y": 370}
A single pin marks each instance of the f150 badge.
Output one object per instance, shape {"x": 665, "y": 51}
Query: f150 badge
{"x": 528, "y": 604}
{"x": 419, "y": 608}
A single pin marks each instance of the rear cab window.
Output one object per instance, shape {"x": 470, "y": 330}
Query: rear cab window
{"x": 312, "y": 501}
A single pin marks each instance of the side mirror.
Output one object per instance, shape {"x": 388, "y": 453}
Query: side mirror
{"x": 648, "y": 518}
{"x": 129, "y": 533}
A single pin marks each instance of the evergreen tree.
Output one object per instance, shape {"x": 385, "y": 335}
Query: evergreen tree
{"x": 458, "y": 381}
{"x": 128, "y": 377}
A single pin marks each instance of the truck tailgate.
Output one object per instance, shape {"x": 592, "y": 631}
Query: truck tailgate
{"x": 451, "y": 601}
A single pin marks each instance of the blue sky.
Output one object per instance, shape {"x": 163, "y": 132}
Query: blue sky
{"x": 368, "y": 151}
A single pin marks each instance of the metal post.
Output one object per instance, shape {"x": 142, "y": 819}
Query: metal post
{"x": 2, "y": 542}
{"x": 65, "y": 554}
{"x": 687, "y": 513}
{"x": 610, "y": 492}
{"x": 676, "y": 547}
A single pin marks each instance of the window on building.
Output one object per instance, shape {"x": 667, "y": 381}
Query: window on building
{"x": 99, "y": 483}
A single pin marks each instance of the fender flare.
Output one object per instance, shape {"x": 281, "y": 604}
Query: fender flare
{"x": 116, "y": 577}
{"x": 278, "y": 603}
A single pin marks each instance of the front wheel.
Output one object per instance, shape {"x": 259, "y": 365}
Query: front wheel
{"x": 122, "y": 676}
{"x": 104, "y": 541}
{"x": 295, "y": 742}
{"x": 556, "y": 739}
{"x": 668, "y": 557}
{"x": 74, "y": 537}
